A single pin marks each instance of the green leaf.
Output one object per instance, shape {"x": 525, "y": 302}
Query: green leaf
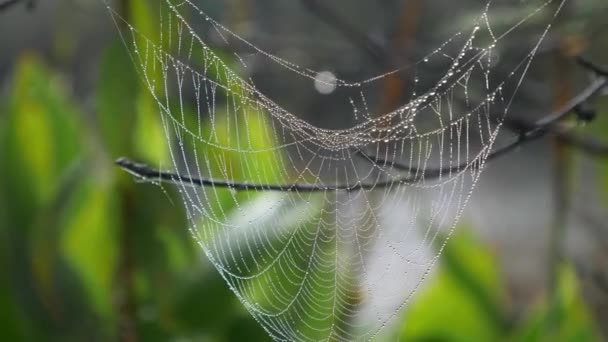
{"x": 42, "y": 136}
{"x": 462, "y": 302}
{"x": 150, "y": 140}
{"x": 89, "y": 241}
{"x": 565, "y": 320}
{"x": 117, "y": 91}
{"x": 41, "y": 143}
{"x": 145, "y": 43}
{"x": 598, "y": 129}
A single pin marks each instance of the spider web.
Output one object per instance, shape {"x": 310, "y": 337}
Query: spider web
{"x": 326, "y": 234}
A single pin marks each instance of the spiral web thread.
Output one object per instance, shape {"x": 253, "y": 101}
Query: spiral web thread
{"x": 338, "y": 256}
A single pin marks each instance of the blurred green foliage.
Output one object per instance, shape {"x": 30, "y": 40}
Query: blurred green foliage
{"x": 600, "y": 127}
{"x": 467, "y": 301}
{"x": 86, "y": 253}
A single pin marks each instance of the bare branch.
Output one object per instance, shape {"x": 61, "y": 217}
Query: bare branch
{"x": 10, "y": 3}
{"x": 526, "y": 132}
{"x": 148, "y": 174}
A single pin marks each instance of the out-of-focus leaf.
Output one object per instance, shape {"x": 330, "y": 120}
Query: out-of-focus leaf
{"x": 89, "y": 241}
{"x": 117, "y": 91}
{"x": 566, "y": 320}
{"x": 128, "y": 112}
{"x": 599, "y": 128}
{"x": 206, "y": 306}
{"x": 454, "y": 307}
{"x": 176, "y": 250}
{"x": 40, "y": 143}
{"x": 149, "y": 135}
{"x": 42, "y": 135}
{"x": 13, "y": 324}
{"x": 145, "y": 16}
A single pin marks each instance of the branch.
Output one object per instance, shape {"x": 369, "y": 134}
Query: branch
{"x": 10, "y": 3}
{"x": 587, "y": 64}
{"x": 527, "y": 131}
{"x": 148, "y": 174}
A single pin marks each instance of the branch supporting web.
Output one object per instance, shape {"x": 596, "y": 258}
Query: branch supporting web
{"x": 326, "y": 234}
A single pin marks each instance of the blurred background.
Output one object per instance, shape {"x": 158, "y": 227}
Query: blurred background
{"x": 88, "y": 253}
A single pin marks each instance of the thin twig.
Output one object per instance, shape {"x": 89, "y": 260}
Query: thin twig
{"x": 10, "y": 3}
{"x": 527, "y": 132}
{"x": 587, "y": 64}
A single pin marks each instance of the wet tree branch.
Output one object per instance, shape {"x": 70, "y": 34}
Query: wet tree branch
{"x": 527, "y": 132}
{"x": 4, "y": 5}
{"x": 147, "y": 174}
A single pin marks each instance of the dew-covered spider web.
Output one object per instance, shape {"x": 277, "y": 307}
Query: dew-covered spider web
{"x": 327, "y": 233}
